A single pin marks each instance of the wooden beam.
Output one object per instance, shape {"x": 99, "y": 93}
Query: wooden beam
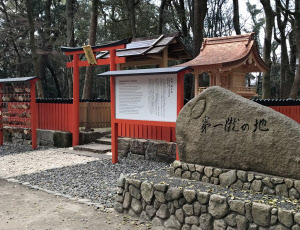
{"x": 164, "y": 61}
{"x": 139, "y": 63}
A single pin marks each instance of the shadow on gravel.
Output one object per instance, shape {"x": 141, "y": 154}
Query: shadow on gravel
{"x": 94, "y": 180}
{"x": 13, "y": 149}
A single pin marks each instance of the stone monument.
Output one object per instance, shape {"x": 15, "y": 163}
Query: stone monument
{"x": 219, "y": 128}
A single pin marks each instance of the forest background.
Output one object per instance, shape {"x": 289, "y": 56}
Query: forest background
{"x": 32, "y": 32}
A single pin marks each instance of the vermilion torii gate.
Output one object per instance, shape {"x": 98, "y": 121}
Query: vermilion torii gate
{"x": 112, "y": 60}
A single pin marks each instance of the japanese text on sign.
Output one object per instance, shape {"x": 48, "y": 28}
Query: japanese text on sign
{"x": 152, "y": 98}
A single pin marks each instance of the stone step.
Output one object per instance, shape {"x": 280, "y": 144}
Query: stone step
{"x": 108, "y": 135}
{"x": 104, "y": 140}
{"x": 95, "y": 148}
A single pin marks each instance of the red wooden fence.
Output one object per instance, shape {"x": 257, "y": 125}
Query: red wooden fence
{"x": 290, "y": 111}
{"x": 55, "y": 116}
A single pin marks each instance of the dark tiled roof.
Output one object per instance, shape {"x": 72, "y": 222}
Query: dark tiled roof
{"x": 152, "y": 45}
{"x": 110, "y": 44}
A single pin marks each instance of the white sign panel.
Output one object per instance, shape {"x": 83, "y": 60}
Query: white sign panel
{"x": 150, "y": 97}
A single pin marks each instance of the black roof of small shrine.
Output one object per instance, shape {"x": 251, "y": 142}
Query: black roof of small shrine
{"x": 115, "y": 43}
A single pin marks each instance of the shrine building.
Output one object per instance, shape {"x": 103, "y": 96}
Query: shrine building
{"x": 227, "y": 60}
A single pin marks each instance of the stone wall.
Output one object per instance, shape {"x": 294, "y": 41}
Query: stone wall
{"x": 148, "y": 149}
{"x": 238, "y": 179}
{"x": 44, "y": 138}
{"x": 188, "y": 209}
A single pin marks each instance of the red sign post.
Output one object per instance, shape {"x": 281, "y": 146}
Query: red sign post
{"x": 145, "y": 97}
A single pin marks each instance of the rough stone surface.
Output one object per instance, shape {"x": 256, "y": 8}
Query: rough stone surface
{"x": 147, "y": 191}
{"x": 163, "y": 211}
{"x": 297, "y": 218}
{"x": 172, "y": 223}
{"x": 241, "y": 222}
{"x": 160, "y": 196}
{"x": 256, "y": 186}
{"x": 136, "y": 205}
{"x": 261, "y": 214}
{"x": 173, "y": 194}
{"x": 188, "y": 209}
{"x": 208, "y": 171}
{"x": 193, "y": 220}
{"x": 189, "y": 195}
{"x": 206, "y": 221}
{"x": 281, "y": 190}
{"x": 179, "y": 215}
{"x": 285, "y": 217}
{"x": 208, "y": 133}
{"x": 237, "y": 206}
{"x": 220, "y": 224}
{"x": 218, "y": 206}
{"x": 150, "y": 210}
{"x": 231, "y": 220}
{"x": 203, "y": 197}
{"x": 228, "y": 178}
{"x": 157, "y": 221}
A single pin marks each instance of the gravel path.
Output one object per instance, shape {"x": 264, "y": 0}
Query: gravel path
{"x": 12, "y": 149}
{"x": 69, "y": 174}
{"x": 37, "y": 161}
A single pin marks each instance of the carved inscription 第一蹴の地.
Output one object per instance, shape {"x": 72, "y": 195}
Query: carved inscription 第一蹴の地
{"x": 233, "y": 124}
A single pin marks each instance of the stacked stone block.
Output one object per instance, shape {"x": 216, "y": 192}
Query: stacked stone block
{"x": 238, "y": 179}
{"x": 148, "y": 149}
{"x": 188, "y": 209}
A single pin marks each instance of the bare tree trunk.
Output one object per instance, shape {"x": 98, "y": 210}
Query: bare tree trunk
{"x": 296, "y": 83}
{"x": 131, "y": 15}
{"x": 180, "y": 9}
{"x": 286, "y": 75}
{"x": 161, "y": 16}
{"x": 200, "y": 10}
{"x": 270, "y": 16}
{"x": 236, "y": 17}
{"x": 88, "y": 81}
{"x": 71, "y": 42}
{"x": 39, "y": 87}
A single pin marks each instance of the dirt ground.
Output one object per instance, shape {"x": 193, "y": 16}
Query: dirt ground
{"x": 25, "y": 208}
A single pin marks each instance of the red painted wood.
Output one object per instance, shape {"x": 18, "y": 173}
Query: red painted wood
{"x": 158, "y": 133}
{"x": 33, "y": 110}
{"x": 1, "y": 118}
{"x": 136, "y": 131}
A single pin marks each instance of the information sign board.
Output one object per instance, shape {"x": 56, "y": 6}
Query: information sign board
{"x": 149, "y": 98}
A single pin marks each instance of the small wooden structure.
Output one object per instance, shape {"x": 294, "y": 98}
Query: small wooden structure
{"x": 18, "y": 111}
{"x": 227, "y": 60}
{"x": 154, "y": 50}
{"x": 151, "y": 97}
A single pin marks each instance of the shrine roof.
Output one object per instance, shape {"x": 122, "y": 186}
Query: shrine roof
{"x": 109, "y": 44}
{"x": 17, "y": 79}
{"x": 228, "y": 52}
{"x": 168, "y": 70}
{"x": 153, "y": 45}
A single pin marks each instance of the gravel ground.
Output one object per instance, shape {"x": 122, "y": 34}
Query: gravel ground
{"x": 95, "y": 180}
{"x": 12, "y": 165}
{"x": 162, "y": 176}
{"x": 12, "y": 149}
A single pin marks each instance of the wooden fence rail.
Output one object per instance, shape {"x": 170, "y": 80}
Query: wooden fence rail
{"x": 56, "y": 116}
